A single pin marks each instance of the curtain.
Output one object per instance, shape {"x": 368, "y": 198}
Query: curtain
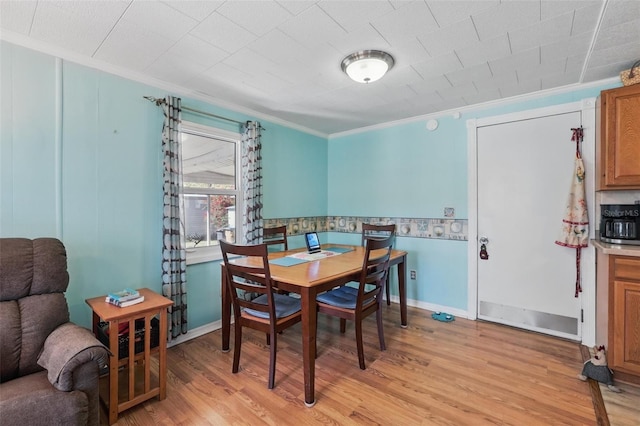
{"x": 251, "y": 183}
{"x": 174, "y": 257}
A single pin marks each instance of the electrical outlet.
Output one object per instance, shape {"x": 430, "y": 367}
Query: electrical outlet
{"x": 413, "y": 274}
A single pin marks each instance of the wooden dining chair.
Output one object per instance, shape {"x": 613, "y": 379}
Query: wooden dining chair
{"x": 356, "y": 303}
{"x": 270, "y": 312}
{"x": 379, "y": 231}
{"x": 277, "y": 235}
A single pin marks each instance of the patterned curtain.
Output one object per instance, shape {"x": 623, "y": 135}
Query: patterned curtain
{"x": 174, "y": 257}
{"x": 252, "y": 183}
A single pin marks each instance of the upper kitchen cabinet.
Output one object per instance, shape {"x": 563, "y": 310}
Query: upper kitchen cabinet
{"x": 618, "y": 138}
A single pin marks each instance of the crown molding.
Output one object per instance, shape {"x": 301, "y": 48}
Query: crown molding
{"x": 482, "y": 106}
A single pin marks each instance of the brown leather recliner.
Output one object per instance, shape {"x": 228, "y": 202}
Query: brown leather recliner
{"x": 48, "y": 365}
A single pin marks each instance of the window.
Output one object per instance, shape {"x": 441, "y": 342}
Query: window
{"x": 212, "y": 189}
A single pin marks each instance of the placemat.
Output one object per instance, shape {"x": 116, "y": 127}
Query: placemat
{"x": 287, "y": 261}
{"x": 314, "y": 256}
{"x": 339, "y": 249}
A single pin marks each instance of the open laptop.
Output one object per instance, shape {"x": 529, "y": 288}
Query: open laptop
{"x": 313, "y": 242}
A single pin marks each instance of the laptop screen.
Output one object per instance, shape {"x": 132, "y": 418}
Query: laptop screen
{"x": 313, "y": 243}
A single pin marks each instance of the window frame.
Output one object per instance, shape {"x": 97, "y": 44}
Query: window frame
{"x": 213, "y": 253}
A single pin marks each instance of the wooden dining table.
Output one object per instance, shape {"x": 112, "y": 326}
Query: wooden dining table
{"x": 308, "y": 279}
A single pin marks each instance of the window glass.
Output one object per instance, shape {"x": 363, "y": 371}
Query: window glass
{"x": 211, "y": 187}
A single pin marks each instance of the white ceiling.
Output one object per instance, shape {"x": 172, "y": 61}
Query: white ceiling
{"x": 282, "y": 59}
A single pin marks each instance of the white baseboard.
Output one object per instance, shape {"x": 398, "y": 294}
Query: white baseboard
{"x": 216, "y": 325}
{"x": 433, "y": 307}
{"x": 196, "y": 332}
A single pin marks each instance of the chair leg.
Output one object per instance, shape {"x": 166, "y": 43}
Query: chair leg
{"x": 268, "y": 339}
{"x": 236, "y": 347}
{"x": 380, "y": 330}
{"x": 359, "y": 343}
{"x": 388, "y": 292}
{"x": 343, "y": 325}
{"x": 272, "y": 361}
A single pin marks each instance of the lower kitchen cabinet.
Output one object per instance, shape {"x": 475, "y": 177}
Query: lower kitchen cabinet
{"x": 624, "y": 318}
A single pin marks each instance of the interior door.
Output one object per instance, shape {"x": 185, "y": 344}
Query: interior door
{"x": 524, "y": 171}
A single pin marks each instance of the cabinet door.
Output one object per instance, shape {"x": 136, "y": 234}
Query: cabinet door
{"x": 621, "y": 138}
{"x": 624, "y": 331}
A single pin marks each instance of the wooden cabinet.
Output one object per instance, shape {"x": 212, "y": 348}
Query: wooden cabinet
{"x": 624, "y": 317}
{"x": 618, "y": 138}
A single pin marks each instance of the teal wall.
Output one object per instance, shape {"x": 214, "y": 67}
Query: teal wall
{"x": 406, "y": 170}
{"x": 80, "y": 160}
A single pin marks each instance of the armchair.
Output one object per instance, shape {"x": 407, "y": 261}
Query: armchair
{"x": 48, "y": 365}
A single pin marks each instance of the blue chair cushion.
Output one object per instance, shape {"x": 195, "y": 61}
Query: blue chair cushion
{"x": 285, "y": 306}
{"x": 342, "y": 297}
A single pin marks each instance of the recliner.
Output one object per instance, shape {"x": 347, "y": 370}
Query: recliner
{"x": 49, "y": 366}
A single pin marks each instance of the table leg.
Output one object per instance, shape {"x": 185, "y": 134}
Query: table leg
{"x": 162, "y": 353}
{"x": 402, "y": 287}
{"x": 309, "y": 307}
{"x": 113, "y": 371}
{"x": 226, "y": 310}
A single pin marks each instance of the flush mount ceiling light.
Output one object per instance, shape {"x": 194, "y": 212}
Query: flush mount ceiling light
{"x": 367, "y": 66}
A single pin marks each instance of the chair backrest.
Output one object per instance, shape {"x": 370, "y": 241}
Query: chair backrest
{"x": 277, "y": 235}
{"x": 375, "y": 269}
{"x": 246, "y": 274}
{"x": 33, "y": 279}
{"x": 377, "y": 231}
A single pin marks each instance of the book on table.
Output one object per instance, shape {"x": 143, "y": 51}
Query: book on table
{"x": 124, "y": 295}
{"x": 124, "y": 304}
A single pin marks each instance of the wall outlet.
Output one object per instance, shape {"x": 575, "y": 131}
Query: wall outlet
{"x": 413, "y": 274}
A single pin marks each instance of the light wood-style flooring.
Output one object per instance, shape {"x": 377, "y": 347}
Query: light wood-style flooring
{"x": 623, "y": 409}
{"x": 459, "y": 373}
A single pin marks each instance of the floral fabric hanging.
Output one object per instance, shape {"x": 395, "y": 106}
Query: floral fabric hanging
{"x": 575, "y": 224}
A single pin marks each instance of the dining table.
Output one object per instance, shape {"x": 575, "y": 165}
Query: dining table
{"x": 308, "y": 279}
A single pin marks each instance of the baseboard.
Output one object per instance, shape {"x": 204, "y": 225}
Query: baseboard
{"x": 216, "y": 325}
{"x": 196, "y": 332}
{"x": 461, "y": 313}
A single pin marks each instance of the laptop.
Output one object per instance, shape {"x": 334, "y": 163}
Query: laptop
{"x": 313, "y": 243}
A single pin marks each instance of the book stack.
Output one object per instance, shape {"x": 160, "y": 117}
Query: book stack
{"x": 124, "y": 298}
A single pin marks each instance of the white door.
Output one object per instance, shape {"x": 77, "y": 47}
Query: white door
{"x": 524, "y": 171}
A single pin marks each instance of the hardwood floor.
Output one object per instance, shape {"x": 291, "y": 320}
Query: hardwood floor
{"x": 623, "y": 409}
{"x": 458, "y": 373}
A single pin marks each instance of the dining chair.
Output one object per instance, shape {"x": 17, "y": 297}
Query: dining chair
{"x": 355, "y": 304}
{"x": 379, "y": 231}
{"x": 270, "y": 312}
{"x": 277, "y": 235}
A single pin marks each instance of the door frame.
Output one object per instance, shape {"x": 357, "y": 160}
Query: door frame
{"x": 588, "y": 295}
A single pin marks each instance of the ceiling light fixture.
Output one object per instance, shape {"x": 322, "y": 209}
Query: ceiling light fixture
{"x": 367, "y": 66}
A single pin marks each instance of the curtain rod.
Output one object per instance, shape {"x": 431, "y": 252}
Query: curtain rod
{"x": 162, "y": 101}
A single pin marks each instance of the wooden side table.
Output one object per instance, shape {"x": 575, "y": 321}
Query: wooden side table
{"x": 153, "y": 305}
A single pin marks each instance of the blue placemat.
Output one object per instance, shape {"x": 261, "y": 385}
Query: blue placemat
{"x": 339, "y": 249}
{"x": 287, "y": 261}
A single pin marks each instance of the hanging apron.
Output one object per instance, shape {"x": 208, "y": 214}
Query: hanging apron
{"x": 575, "y": 224}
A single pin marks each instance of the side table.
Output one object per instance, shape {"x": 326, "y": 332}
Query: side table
{"x": 153, "y": 305}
